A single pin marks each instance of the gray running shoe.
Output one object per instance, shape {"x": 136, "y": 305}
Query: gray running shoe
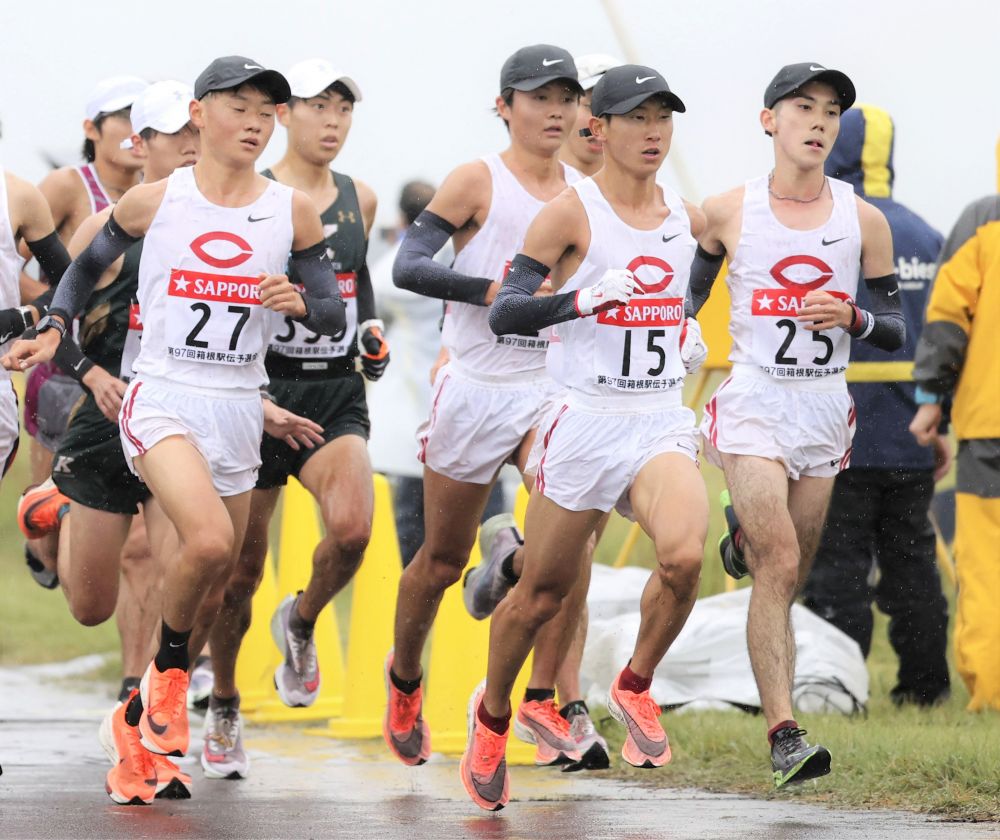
{"x": 592, "y": 747}
{"x": 222, "y": 755}
{"x": 485, "y": 586}
{"x": 794, "y": 761}
{"x": 297, "y": 678}
{"x": 200, "y": 684}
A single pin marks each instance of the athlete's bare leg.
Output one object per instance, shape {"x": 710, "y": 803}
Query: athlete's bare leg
{"x": 451, "y": 519}
{"x": 760, "y": 493}
{"x": 339, "y": 476}
{"x": 568, "y": 677}
{"x": 808, "y": 501}
{"x": 90, "y": 544}
{"x": 138, "y": 611}
{"x": 553, "y": 555}
{"x": 671, "y": 506}
{"x": 234, "y": 618}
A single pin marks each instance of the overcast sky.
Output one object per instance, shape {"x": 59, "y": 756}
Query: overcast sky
{"x": 429, "y": 73}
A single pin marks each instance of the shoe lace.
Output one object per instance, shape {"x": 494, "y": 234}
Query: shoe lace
{"x": 489, "y": 749}
{"x": 404, "y": 710}
{"x": 303, "y": 656}
{"x": 548, "y": 712}
{"x": 646, "y": 710}
{"x": 169, "y": 693}
{"x": 225, "y": 728}
{"x": 140, "y": 760}
{"x": 787, "y": 740}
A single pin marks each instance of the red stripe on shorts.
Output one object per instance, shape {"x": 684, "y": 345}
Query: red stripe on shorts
{"x": 540, "y": 478}
{"x": 127, "y": 415}
{"x": 422, "y": 452}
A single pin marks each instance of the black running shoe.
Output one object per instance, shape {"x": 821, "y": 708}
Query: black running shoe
{"x": 733, "y": 560}
{"x": 42, "y": 576}
{"x": 794, "y": 761}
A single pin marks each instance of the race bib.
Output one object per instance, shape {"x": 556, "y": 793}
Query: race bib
{"x": 783, "y": 347}
{"x": 130, "y": 351}
{"x": 636, "y": 346}
{"x": 213, "y": 318}
{"x": 294, "y": 339}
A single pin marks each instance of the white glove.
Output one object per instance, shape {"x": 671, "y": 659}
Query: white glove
{"x": 615, "y": 288}
{"x": 693, "y": 348}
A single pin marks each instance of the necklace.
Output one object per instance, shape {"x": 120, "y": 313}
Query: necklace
{"x": 770, "y": 180}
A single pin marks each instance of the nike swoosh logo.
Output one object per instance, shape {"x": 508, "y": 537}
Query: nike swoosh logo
{"x": 825, "y": 241}
{"x": 893, "y": 292}
{"x": 79, "y": 365}
{"x": 252, "y": 67}
{"x": 158, "y": 728}
{"x": 814, "y": 69}
{"x": 171, "y": 644}
{"x": 548, "y": 62}
{"x": 639, "y": 81}
{"x": 259, "y": 218}
{"x": 491, "y": 789}
{"x": 668, "y": 238}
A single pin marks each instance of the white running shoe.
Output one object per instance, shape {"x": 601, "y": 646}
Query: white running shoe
{"x": 297, "y": 678}
{"x": 222, "y": 755}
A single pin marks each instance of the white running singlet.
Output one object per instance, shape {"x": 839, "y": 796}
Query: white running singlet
{"x": 633, "y": 348}
{"x": 771, "y": 272}
{"x": 10, "y": 259}
{"x": 202, "y": 321}
{"x": 467, "y": 333}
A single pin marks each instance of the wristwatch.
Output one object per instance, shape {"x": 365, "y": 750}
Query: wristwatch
{"x": 49, "y": 322}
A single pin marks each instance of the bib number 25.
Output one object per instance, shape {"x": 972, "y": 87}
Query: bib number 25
{"x": 790, "y": 328}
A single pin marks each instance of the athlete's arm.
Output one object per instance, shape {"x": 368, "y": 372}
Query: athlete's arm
{"x": 34, "y": 226}
{"x": 368, "y": 202}
{"x": 456, "y": 206}
{"x": 555, "y": 231}
{"x": 60, "y": 189}
{"x": 294, "y": 430}
{"x": 711, "y": 252}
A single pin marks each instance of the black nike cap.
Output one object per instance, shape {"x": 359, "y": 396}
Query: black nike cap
{"x": 234, "y": 70}
{"x": 792, "y": 77}
{"x": 621, "y": 89}
{"x": 531, "y": 67}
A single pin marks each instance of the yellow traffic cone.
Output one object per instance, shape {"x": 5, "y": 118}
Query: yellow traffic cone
{"x": 459, "y": 650}
{"x": 373, "y": 610}
{"x": 300, "y": 533}
{"x": 258, "y": 655}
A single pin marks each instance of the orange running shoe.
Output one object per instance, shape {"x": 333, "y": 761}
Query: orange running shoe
{"x": 646, "y": 744}
{"x": 132, "y": 779}
{"x": 405, "y": 731}
{"x": 163, "y": 726}
{"x": 484, "y": 763}
{"x": 538, "y": 722}
{"x": 38, "y": 509}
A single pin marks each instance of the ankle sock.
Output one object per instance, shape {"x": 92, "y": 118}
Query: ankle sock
{"x": 631, "y": 681}
{"x": 133, "y": 711}
{"x": 571, "y": 710}
{"x": 774, "y": 730}
{"x": 406, "y": 686}
{"x": 216, "y": 703}
{"x": 507, "y": 568}
{"x": 297, "y": 624}
{"x": 500, "y": 725}
{"x": 173, "y": 652}
{"x": 539, "y": 695}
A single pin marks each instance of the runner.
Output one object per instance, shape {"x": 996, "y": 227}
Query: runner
{"x": 500, "y": 539}
{"x": 217, "y": 236}
{"x": 24, "y": 219}
{"x": 621, "y": 436}
{"x": 73, "y": 194}
{"x": 781, "y": 425}
{"x": 316, "y": 377}
{"x": 486, "y": 399}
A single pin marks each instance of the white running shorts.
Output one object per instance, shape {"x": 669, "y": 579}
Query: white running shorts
{"x": 9, "y": 429}
{"x": 477, "y": 423}
{"x": 225, "y": 430}
{"x": 806, "y": 426}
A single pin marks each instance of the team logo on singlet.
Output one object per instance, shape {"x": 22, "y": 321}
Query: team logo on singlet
{"x": 652, "y": 274}
{"x": 797, "y": 275}
{"x": 219, "y": 259}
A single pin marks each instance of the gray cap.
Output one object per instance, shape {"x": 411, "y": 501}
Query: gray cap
{"x": 234, "y": 70}
{"x": 621, "y": 89}
{"x": 531, "y": 67}
{"x": 791, "y": 77}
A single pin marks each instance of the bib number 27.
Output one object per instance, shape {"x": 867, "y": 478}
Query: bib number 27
{"x": 242, "y": 314}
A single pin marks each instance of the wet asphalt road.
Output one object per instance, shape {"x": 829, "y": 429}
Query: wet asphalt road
{"x": 307, "y": 786}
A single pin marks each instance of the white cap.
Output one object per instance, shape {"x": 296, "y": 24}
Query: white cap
{"x": 312, "y": 77}
{"x": 592, "y": 66}
{"x": 113, "y": 94}
{"x": 163, "y": 106}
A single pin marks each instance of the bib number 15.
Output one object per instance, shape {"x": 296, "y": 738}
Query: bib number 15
{"x": 652, "y": 337}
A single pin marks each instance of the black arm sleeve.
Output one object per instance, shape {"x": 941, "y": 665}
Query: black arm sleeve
{"x": 883, "y": 326}
{"x": 366, "y": 295}
{"x": 325, "y": 308}
{"x": 83, "y": 273}
{"x": 704, "y": 270}
{"x": 52, "y": 257}
{"x": 416, "y": 271}
{"x": 515, "y": 310}
{"x": 71, "y": 358}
